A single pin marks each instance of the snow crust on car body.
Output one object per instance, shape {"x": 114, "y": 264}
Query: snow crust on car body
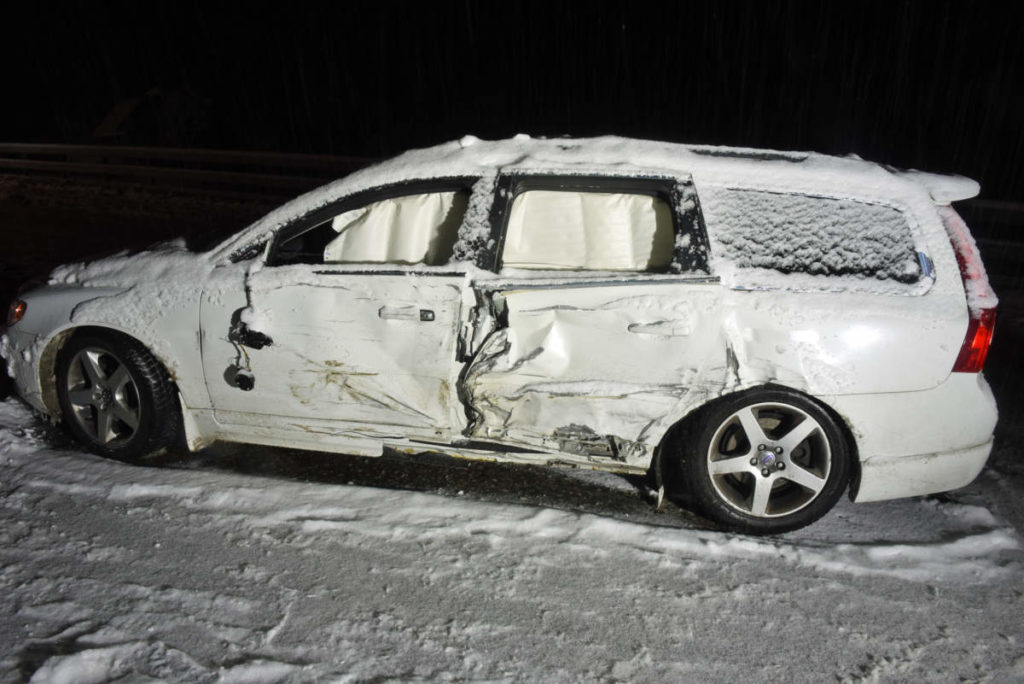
{"x": 529, "y": 373}
{"x": 604, "y": 156}
{"x": 980, "y": 294}
{"x": 151, "y": 296}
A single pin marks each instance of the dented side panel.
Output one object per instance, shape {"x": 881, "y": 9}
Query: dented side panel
{"x": 605, "y": 371}
{"x": 352, "y": 355}
{"x": 598, "y": 371}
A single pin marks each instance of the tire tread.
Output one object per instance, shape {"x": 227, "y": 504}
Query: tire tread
{"x": 164, "y": 425}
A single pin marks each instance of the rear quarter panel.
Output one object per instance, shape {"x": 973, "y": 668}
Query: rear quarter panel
{"x": 843, "y": 343}
{"x": 849, "y": 334}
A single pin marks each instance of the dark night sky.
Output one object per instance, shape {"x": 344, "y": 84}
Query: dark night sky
{"x": 933, "y": 85}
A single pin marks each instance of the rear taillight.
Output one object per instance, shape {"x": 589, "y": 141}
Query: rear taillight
{"x": 15, "y": 312}
{"x": 976, "y": 343}
{"x": 981, "y": 300}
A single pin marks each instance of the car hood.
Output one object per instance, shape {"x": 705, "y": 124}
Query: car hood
{"x": 165, "y": 262}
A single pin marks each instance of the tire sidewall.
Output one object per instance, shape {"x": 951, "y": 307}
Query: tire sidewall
{"x": 702, "y": 493}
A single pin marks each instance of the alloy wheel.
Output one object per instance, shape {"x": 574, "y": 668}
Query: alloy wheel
{"x": 769, "y": 460}
{"x": 103, "y": 397}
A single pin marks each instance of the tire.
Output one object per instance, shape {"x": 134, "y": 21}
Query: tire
{"x": 762, "y": 462}
{"x": 116, "y": 398}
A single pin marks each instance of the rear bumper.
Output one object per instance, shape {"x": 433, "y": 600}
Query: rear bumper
{"x": 895, "y": 477}
{"x": 915, "y": 443}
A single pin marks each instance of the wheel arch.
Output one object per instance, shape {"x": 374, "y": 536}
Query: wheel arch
{"x": 678, "y": 430}
{"x": 51, "y": 351}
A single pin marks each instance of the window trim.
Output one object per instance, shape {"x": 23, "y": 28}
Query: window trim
{"x": 320, "y": 215}
{"x": 666, "y": 188}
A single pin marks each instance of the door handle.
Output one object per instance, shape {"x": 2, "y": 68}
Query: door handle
{"x": 662, "y": 328}
{"x": 405, "y": 313}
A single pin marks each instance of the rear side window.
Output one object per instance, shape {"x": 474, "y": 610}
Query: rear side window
{"x": 824, "y": 236}
{"x": 582, "y": 230}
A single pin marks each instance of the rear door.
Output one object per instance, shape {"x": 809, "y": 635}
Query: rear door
{"x": 605, "y": 317}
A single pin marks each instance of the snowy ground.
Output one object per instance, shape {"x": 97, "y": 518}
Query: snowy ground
{"x": 203, "y": 572}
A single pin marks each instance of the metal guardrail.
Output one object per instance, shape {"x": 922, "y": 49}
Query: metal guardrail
{"x": 192, "y": 167}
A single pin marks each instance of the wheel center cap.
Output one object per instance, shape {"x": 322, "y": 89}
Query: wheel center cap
{"x": 106, "y": 398}
{"x": 767, "y": 458}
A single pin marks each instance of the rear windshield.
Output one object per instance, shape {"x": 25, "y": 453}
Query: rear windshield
{"x": 805, "y": 234}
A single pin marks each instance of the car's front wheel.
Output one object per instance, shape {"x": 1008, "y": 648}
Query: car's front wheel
{"x": 116, "y": 398}
{"x": 763, "y": 462}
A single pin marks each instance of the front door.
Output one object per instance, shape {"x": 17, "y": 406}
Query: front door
{"x": 348, "y": 328}
{"x": 374, "y": 351}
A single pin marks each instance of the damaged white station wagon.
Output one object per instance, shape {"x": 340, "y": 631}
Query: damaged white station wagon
{"x": 760, "y": 331}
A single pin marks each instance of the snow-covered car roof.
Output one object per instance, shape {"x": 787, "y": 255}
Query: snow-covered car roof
{"x": 776, "y": 170}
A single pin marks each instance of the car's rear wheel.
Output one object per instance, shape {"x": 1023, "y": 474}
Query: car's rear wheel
{"x": 764, "y": 462}
{"x": 116, "y": 398}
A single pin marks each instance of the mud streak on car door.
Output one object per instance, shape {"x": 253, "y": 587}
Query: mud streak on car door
{"x": 356, "y": 351}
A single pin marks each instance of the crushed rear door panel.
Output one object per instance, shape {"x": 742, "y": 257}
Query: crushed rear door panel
{"x": 593, "y": 369}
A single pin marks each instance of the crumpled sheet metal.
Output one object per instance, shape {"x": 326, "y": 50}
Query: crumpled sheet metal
{"x": 578, "y": 376}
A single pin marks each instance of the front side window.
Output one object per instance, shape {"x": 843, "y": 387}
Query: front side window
{"x": 584, "y": 230}
{"x": 409, "y": 229}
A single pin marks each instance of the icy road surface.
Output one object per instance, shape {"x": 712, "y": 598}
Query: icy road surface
{"x": 201, "y": 574}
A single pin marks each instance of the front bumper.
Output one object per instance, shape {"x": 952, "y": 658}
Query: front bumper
{"x": 19, "y": 349}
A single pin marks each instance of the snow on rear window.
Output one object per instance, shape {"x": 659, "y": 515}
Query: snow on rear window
{"x": 823, "y": 236}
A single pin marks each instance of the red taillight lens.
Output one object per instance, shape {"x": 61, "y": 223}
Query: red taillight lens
{"x": 981, "y": 300}
{"x": 15, "y": 312}
{"x": 976, "y": 343}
